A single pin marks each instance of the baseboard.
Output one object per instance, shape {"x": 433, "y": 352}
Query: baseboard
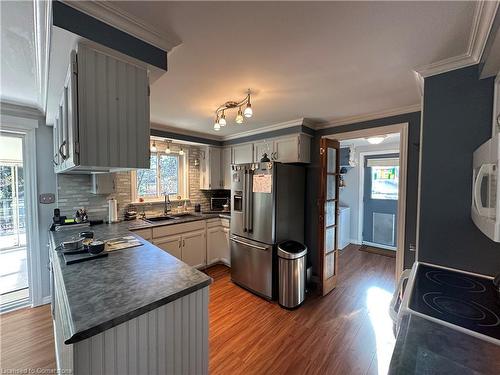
{"x": 377, "y": 250}
{"x": 46, "y": 300}
{"x": 354, "y": 242}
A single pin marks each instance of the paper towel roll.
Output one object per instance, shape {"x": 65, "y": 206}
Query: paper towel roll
{"x": 113, "y": 210}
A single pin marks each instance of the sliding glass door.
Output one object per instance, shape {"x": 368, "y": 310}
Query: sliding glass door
{"x": 14, "y": 288}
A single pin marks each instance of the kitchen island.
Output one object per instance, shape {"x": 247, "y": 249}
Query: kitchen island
{"x": 137, "y": 311}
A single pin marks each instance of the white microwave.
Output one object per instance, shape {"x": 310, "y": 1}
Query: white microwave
{"x": 485, "y": 206}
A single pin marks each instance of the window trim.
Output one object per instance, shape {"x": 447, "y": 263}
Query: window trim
{"x": 183, "y": 181}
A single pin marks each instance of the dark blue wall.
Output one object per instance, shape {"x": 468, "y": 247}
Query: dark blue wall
{"x": 413, "y": 119}
{"x": 91, "y": 28}
{"x": 457, "y": 119}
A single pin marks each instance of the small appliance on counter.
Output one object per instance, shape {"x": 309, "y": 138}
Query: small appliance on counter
{"x": 219, "y": 204}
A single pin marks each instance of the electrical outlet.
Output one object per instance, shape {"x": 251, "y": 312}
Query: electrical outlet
{"x": 47, "y": 198}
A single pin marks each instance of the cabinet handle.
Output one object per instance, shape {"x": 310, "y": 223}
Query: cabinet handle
{"x": 179, "y": 244}
{"x": 61, "y": 152}
{"x": 183, "y": 243}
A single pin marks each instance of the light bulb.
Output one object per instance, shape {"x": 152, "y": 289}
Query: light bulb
{"x": 222, "y": 120}
{"x": 216, "y": 127}
{"x": 239, "y": 117}
{"x": 248, "y": 111}
{"x": 376, "y": 139}
{"x": 153, "y": 147}
{"x": 181, "y": 152}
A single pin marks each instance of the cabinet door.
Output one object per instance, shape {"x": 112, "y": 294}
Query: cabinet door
{"x": 226, "y": 168}
{"x": 243, "y": 154}
{"x": 71, "y": 112}
{"x": 215, "y": 181}
{"x": 113, "y": 111}
{"x": 172, "y": 245}
{"x": 55, "y": 141}
{"x": 226, "y": 250}
{"x": 194, "y": 248}
{"x": 261, "y": 148}
{"x": 215, "y": 242}
{"x": 204, "y": 166}
{"x": 287, "y": 149}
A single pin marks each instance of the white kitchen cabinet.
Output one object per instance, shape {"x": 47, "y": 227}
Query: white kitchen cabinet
{"x": 172, "y": 245}
{"x": 243, "y": 154}
{"x": 261, "y": 148}
{"x": 104, "y": 114}
{"x": 211, "y": 177}
{"x": 216, "y": 245}
{"x": 146, "y": 233}
{"x": 226, "y": 162}
{"x": 292, "y": 149}
{"x": 194, "y": 248}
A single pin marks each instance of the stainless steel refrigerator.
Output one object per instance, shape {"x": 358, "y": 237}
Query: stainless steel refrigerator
{"x": 267, "y": 208}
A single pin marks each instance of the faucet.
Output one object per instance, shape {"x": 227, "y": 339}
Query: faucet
{"x": 167, "y": 206}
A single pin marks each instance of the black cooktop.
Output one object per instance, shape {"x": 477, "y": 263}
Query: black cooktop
{"x": 457, "y": 298}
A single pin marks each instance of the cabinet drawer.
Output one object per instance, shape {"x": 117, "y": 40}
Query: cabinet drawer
{"x": 225, "y": 223}
{"x": 169, "y": 230}
{"x": 216, "y": 222}
{"x": 144, "y": 233}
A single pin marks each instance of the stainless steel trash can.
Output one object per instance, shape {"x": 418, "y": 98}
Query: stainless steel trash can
{"x": 291, "y": 273}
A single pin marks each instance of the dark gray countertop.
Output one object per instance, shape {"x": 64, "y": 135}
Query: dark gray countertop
{"x": 426, "y": 347}
{"x": 102, "y": 293}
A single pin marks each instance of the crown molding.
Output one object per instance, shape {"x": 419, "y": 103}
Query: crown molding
{"x": 484, "y": 15}
{"x": 19, "y": 110}
{"x": 183, "y": 131}
{"x": 42, "y": 11}
{"x": 124, "y": 21}
{"x": 369, "y": 117}
{"x": 265, "y": 129}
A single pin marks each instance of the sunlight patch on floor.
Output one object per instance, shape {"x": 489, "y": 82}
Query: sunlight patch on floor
{"x": 377, "y": 303}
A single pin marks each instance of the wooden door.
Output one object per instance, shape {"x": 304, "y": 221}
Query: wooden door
{"x": 328, "y": 213}
{"x": 194, "y": 248}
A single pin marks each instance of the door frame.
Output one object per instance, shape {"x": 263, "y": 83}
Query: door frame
{"x": 402, "y": 129}
{"x": 26, "y": 128}
{"x": 361, "y": 180}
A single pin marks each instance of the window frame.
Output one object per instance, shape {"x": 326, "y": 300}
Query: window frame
{"x": 183, "y": 172}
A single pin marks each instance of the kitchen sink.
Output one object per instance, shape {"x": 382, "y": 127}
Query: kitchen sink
{"x": 184, "y": 215}
{"x": 157, "y": 219}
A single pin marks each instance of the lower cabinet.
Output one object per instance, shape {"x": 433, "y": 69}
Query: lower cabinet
{"x": 218, "y": 245}
{"x": 198, "y": 243}
{"x": 172, "y": 245}
{"x": 194, "y": 248}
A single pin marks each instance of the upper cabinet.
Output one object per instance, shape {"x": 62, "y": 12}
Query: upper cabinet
{"x": 103, "y": 119}
{"x": 226, "y": 167}
{"x": 243, "y": 154}
{"x": 211, "y": 176}
{"x": 287, "y": 149}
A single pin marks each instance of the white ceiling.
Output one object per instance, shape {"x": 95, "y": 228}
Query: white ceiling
{"x": 18, "y": 78}
{"x": 320, "y": 60}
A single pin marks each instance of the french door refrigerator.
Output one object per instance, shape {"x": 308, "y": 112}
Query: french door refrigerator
{"x": 267, "y": 208}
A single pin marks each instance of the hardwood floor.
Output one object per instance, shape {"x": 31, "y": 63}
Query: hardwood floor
{"x": 27, "y": 340}
{"x": 346, "y": 332}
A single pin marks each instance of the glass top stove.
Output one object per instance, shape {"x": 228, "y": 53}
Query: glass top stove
{"x": 461, "y": 299}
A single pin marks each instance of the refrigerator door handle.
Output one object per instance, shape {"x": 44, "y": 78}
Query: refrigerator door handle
{"x": 250, "y": 201}
{"x": 245, "y": 199}
{"x": 249, "y": 244}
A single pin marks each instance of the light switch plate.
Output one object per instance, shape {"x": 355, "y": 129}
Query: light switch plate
{"x": 47, "y": 198}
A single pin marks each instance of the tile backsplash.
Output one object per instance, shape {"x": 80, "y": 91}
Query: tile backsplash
{"x": 74, "y": 191}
